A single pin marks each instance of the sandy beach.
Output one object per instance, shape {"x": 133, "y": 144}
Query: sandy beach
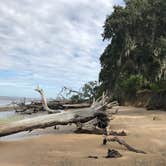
{"x": 146, "y": 130}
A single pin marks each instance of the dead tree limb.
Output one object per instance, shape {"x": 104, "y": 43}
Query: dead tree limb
{"x": 112, "y": 104}
{"x": 62, "y": 118}
{"x": 78, "y": 117}
{"x": 44, "y": 101}
{"x": 122, "y": 142}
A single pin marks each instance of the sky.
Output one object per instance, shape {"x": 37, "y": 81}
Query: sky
{"x": 51, "y": 43}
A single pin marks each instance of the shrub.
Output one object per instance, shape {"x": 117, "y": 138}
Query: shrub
{"x": 131, "y": 85}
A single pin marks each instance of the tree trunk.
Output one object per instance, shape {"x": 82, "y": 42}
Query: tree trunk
{"x": 60, "y": 118}
{"x": 64, "y": 118}
{"x": 44, "y": 101}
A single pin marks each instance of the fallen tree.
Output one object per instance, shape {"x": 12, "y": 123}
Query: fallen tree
{"x": 78, "y": 117}
{"x": 35, "y": 107}
{"x": 53, "y": 106}
{"x": 59, "y": 117}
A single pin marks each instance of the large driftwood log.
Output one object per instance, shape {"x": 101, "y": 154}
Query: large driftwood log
{"x": 64, "y": 118}
{"x": 60, "y": 118}
{"x": 34, "y": 107}
{"x": 50, "y": 107}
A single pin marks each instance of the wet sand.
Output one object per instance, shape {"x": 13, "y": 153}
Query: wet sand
{"x": 146, "y": 130}
{"x": 6, "y": 108}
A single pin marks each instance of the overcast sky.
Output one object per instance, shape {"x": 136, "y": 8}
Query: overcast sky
{"x": 53, "y": 43}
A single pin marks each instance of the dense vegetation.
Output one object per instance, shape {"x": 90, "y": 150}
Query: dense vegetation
{"x": 89, "y": 91}
{"x": 135, "y": 57}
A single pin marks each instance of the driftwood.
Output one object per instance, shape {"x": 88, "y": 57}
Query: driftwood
{"x": 35, "y": 107}
{"x": 44, "y": 121}
{"x": 93, "y": 157}
{"x": 122, "y": 142}
{"x": 75, "y": 106}
{"x": 115, "y": 133}
{"x": 112, "y": 104}
{"x": 77, "y": 117}
{"x": 98, "y": 131}
{"x": 53, "y": 106}
{"x": 89, "y": 131}
{"x": 95, "y": 114}
{"x": 111, "y": 153}
{"x": 44, "y": 102}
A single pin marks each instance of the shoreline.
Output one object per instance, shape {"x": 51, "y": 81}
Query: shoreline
{"x": 63, "y": 147}
{"x": 6, "y": 108}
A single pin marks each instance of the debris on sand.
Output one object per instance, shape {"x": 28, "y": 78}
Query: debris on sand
{"x": 93, "y": 157}
{"x": 113, "y": 154}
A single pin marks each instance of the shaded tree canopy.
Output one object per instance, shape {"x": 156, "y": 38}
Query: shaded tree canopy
{"x": 89, "y": 91}
{"x": 137, "y": 48}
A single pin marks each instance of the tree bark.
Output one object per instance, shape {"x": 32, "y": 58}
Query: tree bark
{"x": 60, "y": 118}
{"x": 63, "y": 118}
{"x": 44, "y": 101}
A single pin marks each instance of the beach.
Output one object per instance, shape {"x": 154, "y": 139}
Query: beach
{"x": 145, "y": 130}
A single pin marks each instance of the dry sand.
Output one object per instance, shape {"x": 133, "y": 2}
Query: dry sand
{"x": 146, "y": 130}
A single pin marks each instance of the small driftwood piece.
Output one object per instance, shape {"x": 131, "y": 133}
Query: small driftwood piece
{"x": 115, "y": 133}
{"x": 122, "y": 142}
{"x": 111, "y": 153}
{"x": 75, "y": 106}
{"x": 93, "y": 157}
{"x": 99, "y": 131}
{"x": 33, "y": 107}
{"x": 112, "y": 104}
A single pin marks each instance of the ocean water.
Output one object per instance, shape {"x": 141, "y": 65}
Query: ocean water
{"x": 4, "y": 102}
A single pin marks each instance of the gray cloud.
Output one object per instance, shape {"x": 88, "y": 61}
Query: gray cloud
{"x": 51, "y": 42}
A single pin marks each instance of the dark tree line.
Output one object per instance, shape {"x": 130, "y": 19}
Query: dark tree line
{"x": 135, "y": 58}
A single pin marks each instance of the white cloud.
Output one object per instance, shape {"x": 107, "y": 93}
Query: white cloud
{"x": 53, "y": 42}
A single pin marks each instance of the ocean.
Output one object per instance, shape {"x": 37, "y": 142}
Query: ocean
{"x": 4, "y": 101}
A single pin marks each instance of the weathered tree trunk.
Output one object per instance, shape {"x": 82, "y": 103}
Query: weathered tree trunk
{"x": 44, "y": 101}
{"x": 60, "y": 118}
{"x": 74, "y": 106}
{"x": 51, "y": 107}
{"x": 64, "y": 118}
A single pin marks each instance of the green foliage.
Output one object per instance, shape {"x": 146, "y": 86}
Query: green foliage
{"x": 137, "y": 49}
{"x": 159, "y": 85}
{"x": 76, "y": 98}
{"x": 89, "y": 91}
{"x": 131, "y": 85}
